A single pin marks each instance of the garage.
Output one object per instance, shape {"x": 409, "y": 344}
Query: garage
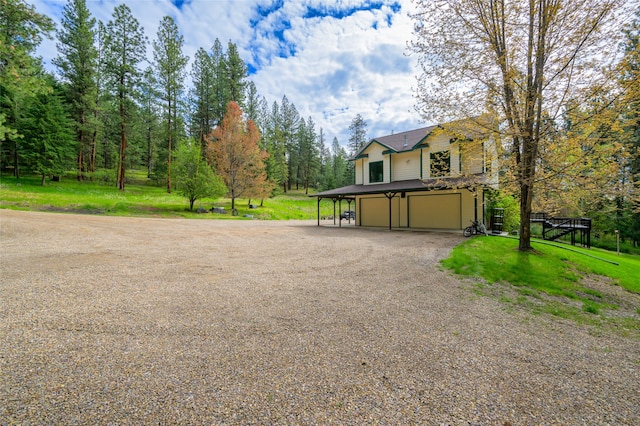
{"x": 438, "y": 211}
{"x": 418, "y": 204}
{"x": 374, "y": 212}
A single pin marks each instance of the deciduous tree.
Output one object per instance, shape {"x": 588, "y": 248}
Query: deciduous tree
{"x": 522, "y": 61}
{"x": 194, "y": 177}
{"x": 234, "y": 151}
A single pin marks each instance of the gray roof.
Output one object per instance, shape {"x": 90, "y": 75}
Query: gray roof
{"x": 405, "y": 185}
{"x": 473, "y": 128}
{"x": 403, "y": 141}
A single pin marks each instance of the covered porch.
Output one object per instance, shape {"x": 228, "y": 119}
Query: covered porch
{"x": 443, "y": 203}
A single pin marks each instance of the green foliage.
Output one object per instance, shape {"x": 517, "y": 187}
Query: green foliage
{"x": 78, "y": 65}
{"x": 170, "y": 66}
{"x": 48, "y": 144}
{"x": 194, "y": 178}
{"x": 511, "y": 206}
{"x": 357, "y": 134}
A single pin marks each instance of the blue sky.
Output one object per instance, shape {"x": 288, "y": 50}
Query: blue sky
{"x": 332, "y": 58}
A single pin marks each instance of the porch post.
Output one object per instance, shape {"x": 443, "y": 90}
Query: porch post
{"x": 390, "y": 196}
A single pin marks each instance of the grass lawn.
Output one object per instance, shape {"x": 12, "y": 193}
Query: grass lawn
{"x": 565, "y": 281}
{"x": 142, "y": 198}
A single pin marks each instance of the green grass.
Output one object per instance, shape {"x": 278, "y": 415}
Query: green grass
{"x": 144, "y": 198}
{"x": 555, "y": 280}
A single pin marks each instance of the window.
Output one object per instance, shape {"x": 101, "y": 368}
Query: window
{"x": 376, "y": 173}
{"x": 440, "y": 164}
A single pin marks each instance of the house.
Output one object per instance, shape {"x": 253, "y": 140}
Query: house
{"x": 429, "y": 178}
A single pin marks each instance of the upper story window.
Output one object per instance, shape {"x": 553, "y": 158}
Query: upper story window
{"x": 376, "y": 172}
{"x": 440, "y": 164}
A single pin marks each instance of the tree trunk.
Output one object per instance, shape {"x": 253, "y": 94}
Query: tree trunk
{"x": 16, "y": 168}
{"x": 123, "y": 147}
{"x": 80, "y": 161}
{"x": 169, "y": 150}
{"x": 94, "y": 144}
{"x": 525, "y": 218}
{"x": 148, "y": 152}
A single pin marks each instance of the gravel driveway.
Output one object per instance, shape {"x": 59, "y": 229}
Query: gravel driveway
{"x": 108, "y": 320}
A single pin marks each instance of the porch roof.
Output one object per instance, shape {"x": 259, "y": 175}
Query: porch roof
{"x": 405, "y": 186}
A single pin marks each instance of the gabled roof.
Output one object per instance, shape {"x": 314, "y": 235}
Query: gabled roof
{"x": 473, "y": 128}
{"x": 398, "y": 142}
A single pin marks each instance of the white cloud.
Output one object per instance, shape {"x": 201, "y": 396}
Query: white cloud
{"x": 331, "y": 59}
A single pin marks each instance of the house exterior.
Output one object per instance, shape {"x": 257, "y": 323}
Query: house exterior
{"x": 429, "y": 178}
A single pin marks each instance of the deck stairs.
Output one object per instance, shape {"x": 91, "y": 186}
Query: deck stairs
{"x": 554, "y": 228}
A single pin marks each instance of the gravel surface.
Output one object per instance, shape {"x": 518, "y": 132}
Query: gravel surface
{"x": 108, "y": 320}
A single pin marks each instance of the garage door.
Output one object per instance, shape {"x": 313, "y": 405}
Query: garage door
{"x": 435, "y": 211}
{"x": 374, "y": 212}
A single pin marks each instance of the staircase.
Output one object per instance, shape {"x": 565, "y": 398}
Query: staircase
{"x": 554, "y": 228}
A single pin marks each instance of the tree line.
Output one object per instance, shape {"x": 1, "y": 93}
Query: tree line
{"x": 107, "y": 110}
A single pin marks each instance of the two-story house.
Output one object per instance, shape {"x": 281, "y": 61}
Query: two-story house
{"x": 429, "y": 178}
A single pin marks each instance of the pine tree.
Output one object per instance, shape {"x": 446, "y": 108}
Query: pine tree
{"x": 220, "y": 95}
{"x": 170, "y": 66}
{"x": 21, "y": 76}
{"x": 78, "y": 67}
{"x": 202, "y": 75}
{"x": 236, "y": 75}
{"x": 150, "y": 114}
{"x": 252, "y": 103}
{"x": 309, "y": 153}
{"x": 289, "y": 122}
{"x": 48, "y": 134}
{"x": 125, "y": 48}
{"x": 357, "y": 134}
{"x": 339, "y": 163}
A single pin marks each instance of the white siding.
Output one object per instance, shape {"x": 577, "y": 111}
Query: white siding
{"x": 359, "y": 169}
{"x": 406, "y": 165}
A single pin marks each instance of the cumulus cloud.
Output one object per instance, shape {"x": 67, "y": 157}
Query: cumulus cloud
{"x": 332, "y": 59}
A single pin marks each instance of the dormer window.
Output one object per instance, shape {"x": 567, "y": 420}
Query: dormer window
{"x": 376, "y": 172}
{"x": 440, "y": 164}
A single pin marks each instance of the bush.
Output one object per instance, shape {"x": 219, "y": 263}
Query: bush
{"x": 608, "y": 242}
{"x": 511, "y": 206}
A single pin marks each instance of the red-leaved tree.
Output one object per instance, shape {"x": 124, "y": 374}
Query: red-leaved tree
{"x": 233, "y": 149}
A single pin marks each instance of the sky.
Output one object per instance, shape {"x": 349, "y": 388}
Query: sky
{"x": 333, "y": 59}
